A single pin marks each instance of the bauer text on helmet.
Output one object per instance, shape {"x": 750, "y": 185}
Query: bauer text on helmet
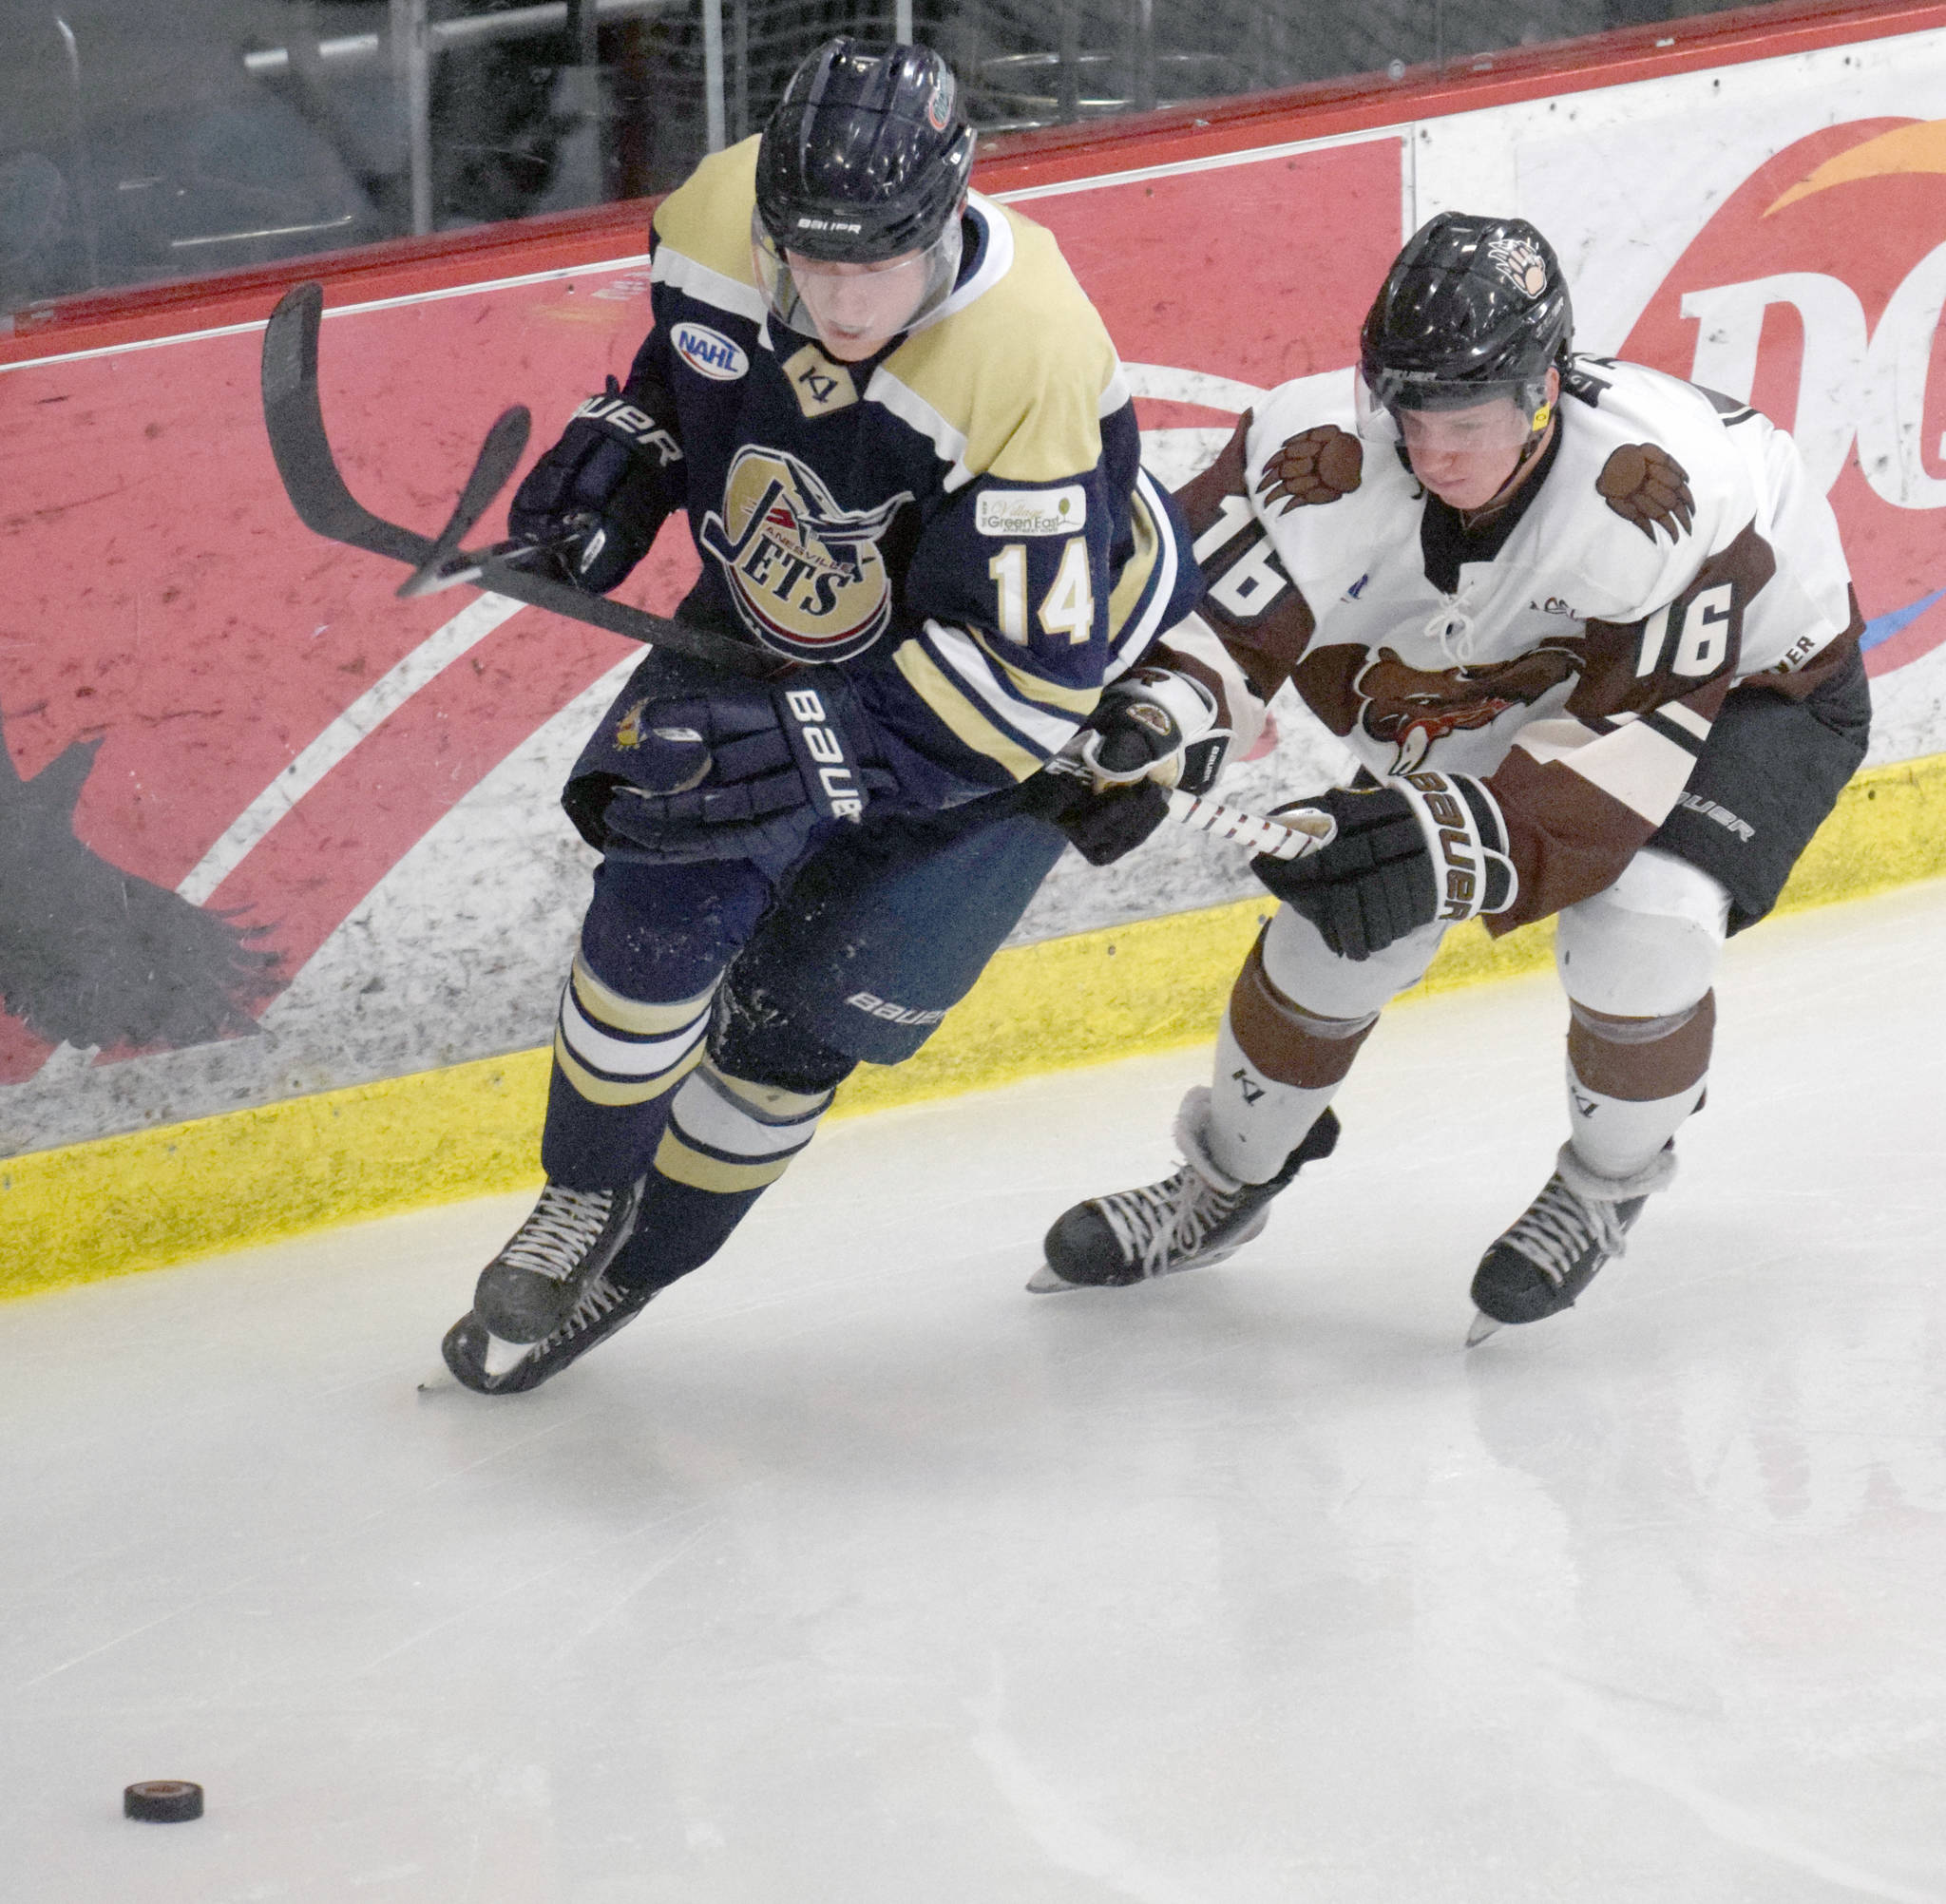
{"x": 860, "y": 177}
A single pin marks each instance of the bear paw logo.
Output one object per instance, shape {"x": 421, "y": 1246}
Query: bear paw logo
{"x": 1643, "y": 483}
{"x": 1519, "y": 263}
{"x": 1317, "y": 465}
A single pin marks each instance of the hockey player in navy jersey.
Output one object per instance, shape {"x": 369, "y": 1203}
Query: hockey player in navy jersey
{"x": 911, "y": 465}
{"x": 1591, "y": 633}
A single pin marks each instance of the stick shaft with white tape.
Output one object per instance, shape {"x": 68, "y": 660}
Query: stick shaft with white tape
{"x": 1290, "y": 838}
{"x": 1286, "y": 839}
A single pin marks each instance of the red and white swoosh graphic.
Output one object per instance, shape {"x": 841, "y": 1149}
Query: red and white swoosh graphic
{"x": 1816, "y": 293}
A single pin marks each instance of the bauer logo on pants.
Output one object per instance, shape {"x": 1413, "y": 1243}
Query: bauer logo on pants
{"x": 807, "y": 577}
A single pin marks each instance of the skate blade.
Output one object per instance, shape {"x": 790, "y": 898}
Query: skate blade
{"x": 1483, "y": 1326}
{"x": 503, "y": 1358}
{"x": 498, "y": 1359}
{"x": 1046, "y": 1283}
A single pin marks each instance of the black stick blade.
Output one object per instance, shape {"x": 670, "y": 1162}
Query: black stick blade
{"x": 506, "y": 443}
{"x": 294, "y": 423}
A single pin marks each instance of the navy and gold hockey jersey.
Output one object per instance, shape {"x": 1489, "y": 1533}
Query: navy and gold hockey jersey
{"x": 1571, "y": 651}
{"x": 961, "y": 522}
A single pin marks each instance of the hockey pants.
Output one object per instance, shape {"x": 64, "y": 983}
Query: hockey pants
{"x": 710, "y": 1015}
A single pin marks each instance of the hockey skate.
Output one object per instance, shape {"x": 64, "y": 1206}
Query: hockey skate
{"x": 571, "y": 1237}
{"x": 490, "y": 1364}
{"x": 1188, "y": 1221}
{"x": 1552, "y": 1251}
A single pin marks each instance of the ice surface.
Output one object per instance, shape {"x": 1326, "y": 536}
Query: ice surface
{"x": 853, "y": 1572}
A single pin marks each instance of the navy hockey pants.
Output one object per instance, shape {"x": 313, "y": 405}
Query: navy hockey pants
{"x": 856, "y": 953}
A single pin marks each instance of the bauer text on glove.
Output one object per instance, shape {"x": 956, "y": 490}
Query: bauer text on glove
{"x": 1422, "y": 848}
{"x": 727, "y": 771}
{"x": 605, "y": 488}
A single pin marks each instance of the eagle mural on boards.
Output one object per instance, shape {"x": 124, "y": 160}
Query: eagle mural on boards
{"x": 93, "y": 955}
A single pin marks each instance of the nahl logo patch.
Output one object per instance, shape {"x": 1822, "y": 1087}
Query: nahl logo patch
{"x": 1031, "y": 512}
{"x": 709, "y": 354}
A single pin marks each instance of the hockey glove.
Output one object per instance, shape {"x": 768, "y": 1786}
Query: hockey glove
{"x": 599, "y": 496}
{"x": 1154, "y": 724}
{"x": 1152, "y": 730}
{"x": 1100, "y": 826}
{"x": 737, "y": 772}
{"x": 1406, "y": 852}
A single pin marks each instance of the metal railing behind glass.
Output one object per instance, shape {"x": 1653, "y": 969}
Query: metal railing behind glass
{"x": 261, "y": 130}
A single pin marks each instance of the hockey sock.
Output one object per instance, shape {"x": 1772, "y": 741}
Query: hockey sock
{"x": 1277, "y": 1067}
{"x": 726, "y": 1141}
{"x": 1631, "y": 1082}
{"x": 654, "y": 944}
{"x": 616, "y": 1062}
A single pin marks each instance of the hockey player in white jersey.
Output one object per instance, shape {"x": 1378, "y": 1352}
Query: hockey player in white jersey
{"x": 1591, "y": 633}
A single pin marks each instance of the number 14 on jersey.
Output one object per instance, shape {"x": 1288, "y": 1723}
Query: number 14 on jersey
{"x": 1067, "y": 608}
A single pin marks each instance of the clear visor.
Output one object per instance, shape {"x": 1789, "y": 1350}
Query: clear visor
{"x": 1455, "y": 418}
{"x": 820, "y": 299}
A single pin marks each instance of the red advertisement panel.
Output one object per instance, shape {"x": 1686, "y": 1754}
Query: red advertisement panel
{"x": 1816, "y": 289}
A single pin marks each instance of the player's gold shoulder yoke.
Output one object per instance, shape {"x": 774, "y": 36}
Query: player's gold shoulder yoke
{"x": 1315, "y": 466}
{"x": 1643, "y": 483}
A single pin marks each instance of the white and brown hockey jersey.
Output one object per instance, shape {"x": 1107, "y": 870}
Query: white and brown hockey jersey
{"x": 1571, "y": 651}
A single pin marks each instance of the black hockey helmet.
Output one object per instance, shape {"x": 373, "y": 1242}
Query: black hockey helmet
{"x": 866, "y": 156}
{"x": 1472, "y": 308}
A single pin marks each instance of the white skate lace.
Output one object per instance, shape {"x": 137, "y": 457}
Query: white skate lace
{"x": 1162, "y": 1225}
{"x": 1559, "y": 1227}
{"x": 560, "y": 1233}
{"x": 594, "y": 1301}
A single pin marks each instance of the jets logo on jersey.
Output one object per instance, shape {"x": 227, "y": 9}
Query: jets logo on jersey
{"x": 807, "y": 577}
{"x": 709, "y": 354}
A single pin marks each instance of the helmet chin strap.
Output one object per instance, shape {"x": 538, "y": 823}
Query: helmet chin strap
{"x": 1537, "y": 441}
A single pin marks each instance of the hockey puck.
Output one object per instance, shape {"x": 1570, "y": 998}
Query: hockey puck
{"x": 162, "y": 1801}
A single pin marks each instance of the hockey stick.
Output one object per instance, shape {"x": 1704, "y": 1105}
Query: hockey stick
{"x": 491, "y": 468}
{"x": 1287, "y": 839}
{"x": 294, "y": 420}
{"x": 1303, "y": 832}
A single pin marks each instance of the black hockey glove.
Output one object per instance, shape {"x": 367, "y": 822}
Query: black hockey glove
{"x": 599, "y": 496}
{"x": 742, "y": 771}
{"x": 1154, "y": 724}
{"x": 1152, "y": 730}
{"x": 1102, "y": 827}
{"x": 1430, "y": 846}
